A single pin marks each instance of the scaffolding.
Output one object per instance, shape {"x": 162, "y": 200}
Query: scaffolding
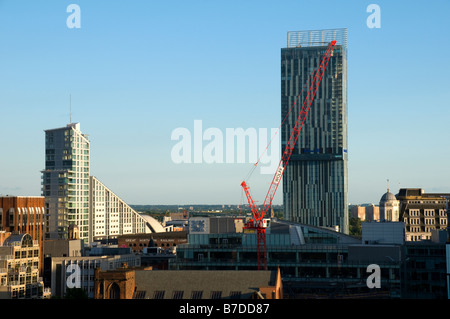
{"x": 312, "y": 38}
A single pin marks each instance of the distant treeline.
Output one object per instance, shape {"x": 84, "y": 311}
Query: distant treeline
{"x": 156, "y": 210}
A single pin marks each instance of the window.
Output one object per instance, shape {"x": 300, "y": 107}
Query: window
{"x": 216, "y": 294}
{"x": 159, "y": 294}
{"x": 178, "y": 294}
{"x": 197, "y": 295}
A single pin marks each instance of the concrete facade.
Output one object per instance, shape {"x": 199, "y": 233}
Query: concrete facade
{"x": 389, "y": 207}
{"x": 19, "y": 268}
{"x": 80, "y": 271}
{"x": 110, "y": 216}
{"x": 383, "y": 233}
{"x": 422, "y": 213}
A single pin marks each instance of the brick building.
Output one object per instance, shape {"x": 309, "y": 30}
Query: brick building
{"x": 164, "y": 240}
{"x": 117, "y": 284}
{"x": 126, "y": 283}
{"x": 24, "y": 215}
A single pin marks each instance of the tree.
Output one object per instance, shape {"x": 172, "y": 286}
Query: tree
{"x": 355, "y": 228}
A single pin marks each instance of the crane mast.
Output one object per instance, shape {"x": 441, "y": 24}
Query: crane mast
{"x": 258, "y": 222}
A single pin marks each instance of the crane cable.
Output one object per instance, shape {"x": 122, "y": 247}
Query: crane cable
{"x": 285, "y": 118}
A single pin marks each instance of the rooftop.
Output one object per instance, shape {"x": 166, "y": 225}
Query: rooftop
{"x": 23, "y": 240}
{"x": 312, "y": 38}
{"x": 206, "y": 284}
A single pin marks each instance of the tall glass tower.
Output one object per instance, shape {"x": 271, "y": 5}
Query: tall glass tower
{"x": 315, "y": 181}
{"x": 65, "y": 181}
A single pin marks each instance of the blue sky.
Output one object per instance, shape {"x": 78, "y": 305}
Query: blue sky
{"x": 137, "y": 70}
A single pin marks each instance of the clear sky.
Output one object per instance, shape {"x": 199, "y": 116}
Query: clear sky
{"x": 137, "y": 70}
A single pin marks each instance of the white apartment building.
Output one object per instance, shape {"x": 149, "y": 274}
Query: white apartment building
{"x": 65, "y": 181}
{"x": 73, "y": 197}
{"x": 111, "y": 216}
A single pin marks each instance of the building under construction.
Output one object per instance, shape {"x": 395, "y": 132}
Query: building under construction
{"x": 315, "y": 184}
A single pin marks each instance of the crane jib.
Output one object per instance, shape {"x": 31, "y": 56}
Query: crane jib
{"x": 278, "y": 174}
{"x": 256, "y": 223}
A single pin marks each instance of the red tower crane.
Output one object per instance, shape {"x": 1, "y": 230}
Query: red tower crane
{"x": 258, "y": 223}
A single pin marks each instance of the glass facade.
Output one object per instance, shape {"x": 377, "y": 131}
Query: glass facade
{"x": 325, "y": 266}
{"x": 65, "y": 181}
{"x": 315, "y": 181}
{"x": 425, "y": 270}
{"x": 73, "y": 197}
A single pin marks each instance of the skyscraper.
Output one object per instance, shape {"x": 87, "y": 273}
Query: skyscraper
{"x": 74, "y": 198}
{"x": 66, "y": 181}
{"x": 315, "y": 182}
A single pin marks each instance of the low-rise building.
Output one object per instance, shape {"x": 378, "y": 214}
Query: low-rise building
{"x": 24, "y": 214}
{"x": 383, "y": 233}
{"x": 422, "y": 213}
{"x": 63, "y": 247}
{"x": 128, "y": 283}
{"x": 165, "y": 240}
{"x": 372, "y": 213}
{"x": 313, "y": 261}
{"x": 19, "y": 268}
{"x": 59, "y": 248}
{"x": 425, "y": 270}
{"x": 79, "y": 272}
{"x": 358, "y": 211}
{"x": 365, "y": 212}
